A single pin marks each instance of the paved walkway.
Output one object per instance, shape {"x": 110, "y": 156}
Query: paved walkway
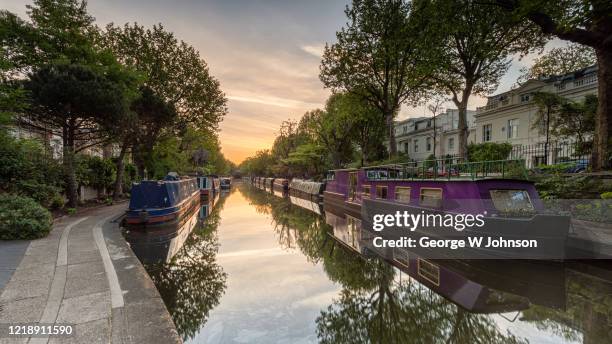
{"x": 85, "y": 274}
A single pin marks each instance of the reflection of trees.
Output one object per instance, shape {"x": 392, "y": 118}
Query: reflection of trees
{"x": 192, "y": 283}
{"x": 259, "y": 199}
{"x": 589, "y": 311}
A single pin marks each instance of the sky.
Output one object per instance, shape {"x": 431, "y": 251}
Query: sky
{"x": 266, "y": 55}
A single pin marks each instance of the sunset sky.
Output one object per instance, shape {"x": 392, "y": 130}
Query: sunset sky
{"x": 266, "y": 55}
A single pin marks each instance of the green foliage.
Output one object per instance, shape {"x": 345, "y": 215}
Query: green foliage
{"x": 606, "y": 195}
{"x": 559, "y": 61}
{"x": 557, "y": 186}
{"x": 27, "y": 168}
{"x": 95, "y": 172}
{"x": 174, "y": 71}
{"x": 489, "y": 151}
{"x": 23, "y": 218}
{"x": 378, "y": 56}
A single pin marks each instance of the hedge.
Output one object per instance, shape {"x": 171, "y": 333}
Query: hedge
{"x": 23, "y": 218}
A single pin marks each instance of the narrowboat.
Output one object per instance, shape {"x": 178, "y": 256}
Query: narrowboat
{"x": 208, "y": 185}
{"x": 226, "y": 183}
{"x": 306, "y": 188}
{"x": 510, "y": 208}
{"x": 165, "y": 203}
{"x": 280, "y": 184}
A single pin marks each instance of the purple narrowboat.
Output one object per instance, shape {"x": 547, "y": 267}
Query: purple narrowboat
{"x": 509, "y": 208}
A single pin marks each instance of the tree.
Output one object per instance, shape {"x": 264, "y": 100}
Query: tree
{"x": 174, "y": 71}
{"x": 154, "y": 115}
{"x": 377, "y": 56}
{"x": 559, "y": 61}
{"x": 435, "y": 107}
{"x": 76, "y": 102}
{"x": 547, "y": 104}
{"x": 587, "y": 23}
{"x": 476, "y": 43}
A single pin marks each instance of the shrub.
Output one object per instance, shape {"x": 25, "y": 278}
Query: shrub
{"x": 489, "y": 151}
{"x": 95, "y": 172}
{"x": 23, "y": 218}
{"x": 606, "y": 195}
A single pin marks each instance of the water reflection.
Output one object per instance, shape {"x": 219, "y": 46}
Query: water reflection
{"x": 262, "y": 267}
{"x": 394, "y": 296}
{"x": 186, "y": 273}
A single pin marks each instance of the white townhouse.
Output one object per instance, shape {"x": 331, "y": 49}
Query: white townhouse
{"x": 509, "y": 116}
{"x": 415, "y": 136}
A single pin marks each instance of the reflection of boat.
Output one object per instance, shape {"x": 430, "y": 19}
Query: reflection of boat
{"x": 307, "y": 204}
{"x": 161, "y": 245}
{"x": 207, "y": 207}
{"x": 161, "y": 203}
{"x": 480, "y": 286}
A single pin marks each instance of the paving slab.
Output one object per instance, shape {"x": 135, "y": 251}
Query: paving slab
{"x": 85, "y": 274}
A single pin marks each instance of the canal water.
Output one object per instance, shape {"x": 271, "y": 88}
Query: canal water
{"x": 252, "y": 266}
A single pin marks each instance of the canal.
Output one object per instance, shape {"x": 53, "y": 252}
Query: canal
{"x": 255, "y": 267}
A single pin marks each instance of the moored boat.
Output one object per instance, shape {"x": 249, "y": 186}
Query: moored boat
{"x": 509, "y": 208}
{"x": 225, "y": 183}
{"x": 208, "y": 185}
{"x": 155, "y": 204}
{"x": 280, "y": 184}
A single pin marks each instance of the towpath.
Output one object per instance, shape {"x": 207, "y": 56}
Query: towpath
{"x": 83, "y": 274}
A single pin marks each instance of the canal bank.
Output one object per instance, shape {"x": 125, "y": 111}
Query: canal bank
{"x": 84, "y": 274}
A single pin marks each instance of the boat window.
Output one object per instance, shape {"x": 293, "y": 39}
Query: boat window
{"x": 383, "y": 174}
{"x": 372, "y": 175}
{"x": 401, "y": 256}
{"x": 366, "y": 191}
{"x": 402, "y": 194}
{"x": 431, "y": 197}
{"x": 393, "y": 174}
{"x": 331, "y": 176}
{"x": 429, "y": 271}
{"x": 381, "y": 192}
{"x": 511, "y": 200}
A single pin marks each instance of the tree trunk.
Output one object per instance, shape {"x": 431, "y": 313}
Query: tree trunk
{"x": 603, "y": 124}
{"x": 462, "y": 126}
{"x": 68, "y": 164}
{"x": 118, "y": 189}
{"x": 391, "y": 131}
{"x": 139, "y": 161}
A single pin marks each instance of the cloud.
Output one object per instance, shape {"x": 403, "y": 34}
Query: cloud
{"x": 314, "y": 50}
{"x": 274, "y": 101}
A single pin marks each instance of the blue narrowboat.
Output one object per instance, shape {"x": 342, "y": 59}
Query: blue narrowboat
{"x": 161, "y": 203}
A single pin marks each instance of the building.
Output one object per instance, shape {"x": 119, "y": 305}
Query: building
{"x": 510, "y": 116}
{"x": 415, "y": 136}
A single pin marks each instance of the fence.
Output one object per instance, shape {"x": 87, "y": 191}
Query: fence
{"x": 555, "y": 152}
{"x": 533, "y": 155}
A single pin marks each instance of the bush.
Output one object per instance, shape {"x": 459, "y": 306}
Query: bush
{"x": 23, "y": 218}
{"x": 95, "y": 172}
{"x": 489, "y": 151}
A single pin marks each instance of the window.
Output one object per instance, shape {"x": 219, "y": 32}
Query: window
{"x": 402, "y": 194}
{"x": 371, "y": 174}
{"x": 429, "y": 271}
{"x": 511, "y": 200}
{"x": 428, "y": 143}
{"x": 486, "y": 132}
{"x": 431, "y": 197}
{"x": 406, "y": 147}
{"x": 401, "y": 257}
{"x": 513, "y": 128}
{"x": 405, "y": 129}
{"x": 331, "y": 176}
{"x": 366, "y": 191}
{"x": 381, "y": 192}
{"x": 525, "y": 97}
{"x": 416, "y": 146}
{"x": 451, "y": 143}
